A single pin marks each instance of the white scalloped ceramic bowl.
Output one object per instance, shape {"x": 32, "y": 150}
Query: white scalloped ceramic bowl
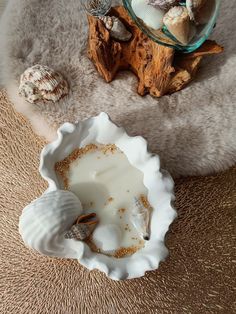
{"x": 160, "y": 195}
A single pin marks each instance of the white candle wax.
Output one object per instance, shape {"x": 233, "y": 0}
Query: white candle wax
{"x": 106, "y": 183}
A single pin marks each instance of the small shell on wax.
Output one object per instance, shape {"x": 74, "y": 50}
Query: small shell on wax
{"x": 107, "y": 237}
{"x": 79, "y": 232}
{"x": 116, "y": 27}
{"x": 84, "y": 226}
{"x": 163, "y": 4}
{"x": 152, "y": 17}
{"x": 44, "y": 221}
{"x": 140, "y": 217}
{"x": 40, "y": 83}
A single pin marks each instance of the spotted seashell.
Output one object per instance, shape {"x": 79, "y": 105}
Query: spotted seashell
{"x": 83, "y": 227}
{"x": 163, "y": 4}
{"x": 40, "y": 83}
{"x": 116, "y": 27}
{"x": 78, "y": 232}
{"x": 44, "y": 222}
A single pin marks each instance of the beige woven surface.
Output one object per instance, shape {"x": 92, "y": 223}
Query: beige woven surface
{"x": 198, "y": 277}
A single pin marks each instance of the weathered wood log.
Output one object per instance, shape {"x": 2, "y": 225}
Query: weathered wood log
{"x": 159, "y": 69}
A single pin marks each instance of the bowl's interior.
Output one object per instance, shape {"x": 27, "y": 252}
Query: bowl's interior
{"x": 110, "y": 187}
{"x": 163, "y": 36}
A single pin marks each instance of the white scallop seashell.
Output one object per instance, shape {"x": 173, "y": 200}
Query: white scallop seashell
{"x": 116, "y": 27}
{"x": 41, "y": 83}
{"x": 44, "y": 222}
{"x": 107, "y": 237}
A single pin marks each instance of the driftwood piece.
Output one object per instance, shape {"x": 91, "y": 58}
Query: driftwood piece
{"x": 159, "y": 69}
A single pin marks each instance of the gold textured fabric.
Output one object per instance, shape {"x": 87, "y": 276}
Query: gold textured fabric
{"x": 199, "y": 276}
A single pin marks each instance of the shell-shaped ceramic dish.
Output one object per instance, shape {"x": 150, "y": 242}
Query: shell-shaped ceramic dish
{"x": 101, "y": 129}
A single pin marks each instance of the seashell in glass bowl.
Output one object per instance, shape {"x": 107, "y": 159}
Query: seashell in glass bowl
{"x": 149, "y": 16}
{"x": 44, "y": 222}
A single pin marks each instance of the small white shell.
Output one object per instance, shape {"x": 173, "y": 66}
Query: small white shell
{"x": 140, "y": 218}
{"x": 43, "y": 222}
{"x": 41, "y": 83}
{"x": 116, "y": 28}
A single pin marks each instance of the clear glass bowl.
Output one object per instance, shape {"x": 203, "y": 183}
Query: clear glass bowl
{"x": 162, "y": 36}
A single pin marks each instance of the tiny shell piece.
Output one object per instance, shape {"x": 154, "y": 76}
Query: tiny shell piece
{"x": 177, "y": 22}
{"x": 140, "y": 217}
{"x": 116, "y": 27}
{"x": 41, "y": 83}
{"x": 163, "y": 4}
{"x": 83, "y": 227}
